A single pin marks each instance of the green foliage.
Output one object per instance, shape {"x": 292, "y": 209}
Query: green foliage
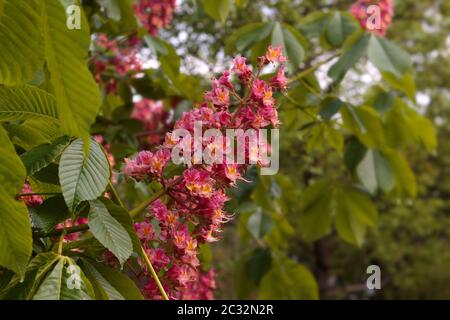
{"x": 109, "y": 231}
{"x": 21, "y": 46}
{"x": 83, "y": 178}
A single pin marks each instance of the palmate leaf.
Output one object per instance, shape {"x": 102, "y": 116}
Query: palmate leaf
{"x": 109, "y": 231}
{"x": 76, "y": 91}
{"x": 83, "y": 178}
{"x": 21, "y": 44}
{"x": 60, "y": 283}
{"x": 26, "y": 102}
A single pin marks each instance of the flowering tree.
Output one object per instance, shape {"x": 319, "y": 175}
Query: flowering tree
{"x": 93, "y": 98}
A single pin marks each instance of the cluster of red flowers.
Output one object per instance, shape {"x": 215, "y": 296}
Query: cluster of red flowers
{"x": 154, "y": 119}
{"x": 193, "y": 213}
{"x": 114, "y": 61}
{"x": 155, "y": 14}
{"x": 386, "y": 10}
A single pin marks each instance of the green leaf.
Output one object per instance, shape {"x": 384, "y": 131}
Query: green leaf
{"x": 387, "y": 56}
{"x": 316, "y": 204}
{"x": 354, "y": 212}
{"x": 26, "y": 102}
{"x": 120, "y": 281}
{"x": 404, "y": 84}
{"x": 12, "y": 171}
{"x": 338, "y": 29}
{"x": 112, "y": 8}
{"x": 365, "y": 123}
{"x": 15, "y": 233}
{"x": 61, "y": 283}
{"x": 218, "y": 9}
{"x": 21, "y": 46}
{"x": 123, "y": 217}
{"x": 375, "y": 172}
{"x": 334, "y": 137}
{"x": 102, "y": 288}
{"x": 41, "y": 156}
{"x": 288, "y": 280}
{"x": 405, "y": 180}
{"x": 76, "y": 92}
{"x": 83, "y": 178}
{"x": 109, "y": 231}
{"x": 247, "y": 36}
{"x": 291, "y": 46}
{"x": 329, "y": 107}
{"x": 354, "y": 48}
{"x": 51, "y": 212}
{"x": 354, "y": 153}
{"x": 259, "y": 223}
{"x": 258, "y": 264}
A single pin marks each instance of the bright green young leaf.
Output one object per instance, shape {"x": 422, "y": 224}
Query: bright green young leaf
{"x": 12, "y": 171}
{"x": 83, "y": 178}
{"x": 365, "y": 123}
{"x": 109, "y": 231}
{"x": 41, "y": 156}
{"x": 316, "y": 205}
{"x": 21, "y": 45}
{"x": 15, "y": 233}
{"x": 76, "y": 92}
{"x": 405, "y": 84}
{"x": 387, "y": 56}
{"x": 288, "y": 280}
{"x": 354, "y": 212}
{"x": 405, "y": 180}
{"x": 218, "y": 9}
{"x": 26, "y": 102}
{"x": 375, "y": 172}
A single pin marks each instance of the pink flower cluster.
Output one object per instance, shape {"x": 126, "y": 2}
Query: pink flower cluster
{"x": 386, "y": 10}
{"x": 153, "y": 118}
{"x": 69, "y": 223}
{"x": 193, "y": 213}
{"x": 33, "y": 200}
{"x": 155, "y": 14}
{"x": 114, "y": 61}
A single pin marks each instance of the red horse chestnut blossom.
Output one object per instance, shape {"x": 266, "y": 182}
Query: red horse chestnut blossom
{"x": 193, "y": 213}
{"x": 155, "y": 14}
{"x": 374, "y": 16}
{"x": 113, "y": 61}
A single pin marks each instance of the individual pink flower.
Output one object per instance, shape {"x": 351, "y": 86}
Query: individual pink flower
{"x": 279, "y": 82}
{"x": 275, "y": 54}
